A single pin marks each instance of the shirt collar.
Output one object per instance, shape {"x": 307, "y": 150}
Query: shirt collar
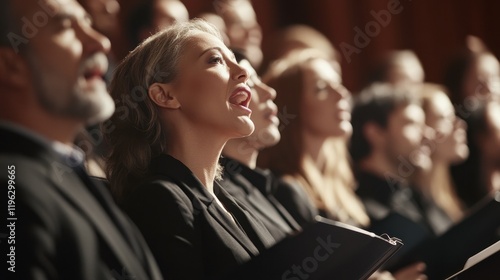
{"x": 71, "y": 153}
{"x": 259, "y": 178}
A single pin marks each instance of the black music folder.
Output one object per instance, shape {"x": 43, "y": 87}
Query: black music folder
{"x": 447, "y": 253}
{"x": 484, "y": 265}
{"x": 324, "y": 250}
{"x": 411, "y": 234}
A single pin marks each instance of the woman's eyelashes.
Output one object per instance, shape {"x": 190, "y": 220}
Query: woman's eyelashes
{"x": 216, "y": 59}
{"x": 321, "y": 86}
{"x": 64, "y": 22}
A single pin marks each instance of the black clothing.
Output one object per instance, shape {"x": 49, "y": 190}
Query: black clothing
{"x": 67, "y": 227}
{"x": 381, "y": 196}
{"x": 191, "y": 236}
{"x": 241, "y": 183}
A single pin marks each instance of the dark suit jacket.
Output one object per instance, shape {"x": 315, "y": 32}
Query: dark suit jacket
{"x": 64, "y": 228}
{"x": 238, "y": 181}
{"x": 296, "y": 201}
{"x": 382, "y": 196}
{"x": 191, "y": 236}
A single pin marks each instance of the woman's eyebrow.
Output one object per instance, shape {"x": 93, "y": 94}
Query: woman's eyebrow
{"x": 209, "y": 49}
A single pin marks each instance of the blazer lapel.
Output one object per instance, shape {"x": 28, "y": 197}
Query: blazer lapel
{"x": 253, "y": 228}
{"x": 139, "y": 244}
{"x": 219, "y": 216}
{"x": 237, "y": 233}
{"x": 253, "y": 193}
{"x": 73, "y": 189}
{"x": 264, "y": 182}
{"x": 70, "y": 186}
{"x": 169, "y": 168}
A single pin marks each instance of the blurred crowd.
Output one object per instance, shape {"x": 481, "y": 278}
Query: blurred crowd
{"x": 456, "y": 144}
{"x": 428, "y": 152}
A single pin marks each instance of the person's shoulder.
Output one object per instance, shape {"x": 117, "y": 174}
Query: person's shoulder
{"x": 289, "y": 184}
{"x": 288, "y": 180}
{"x": 290, "y": 188}
{"x": 162, "y": 188}
{"x": 38, "y": 201}
{"x": 163, "y": 196}
{"x": 26, "y": 173}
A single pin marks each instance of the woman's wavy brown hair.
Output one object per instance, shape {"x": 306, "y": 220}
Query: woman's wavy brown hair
{"x": 134, "y": 132}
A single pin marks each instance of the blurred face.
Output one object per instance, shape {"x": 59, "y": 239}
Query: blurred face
{"x": 264, "y": 111}
{"x": 68, "y": 60}
{"x": 104, "y": 14}
{"x": 483, "y": 78}
{"x": 167, "y": 12}
{"x": 219, "y": 23}
{"x": 243, "y": 30}
{"x": 407, "y": 70}
{"x": 325, "y": 104}
{"x": 450, "y": 142}
{"x": 211, "y": 88}
{"x": 404, "y": 136}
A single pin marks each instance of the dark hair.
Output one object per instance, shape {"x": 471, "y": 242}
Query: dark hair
{"x": 375, "y": 104}
{"x": 380, "y": 71}
{"x": 467, "y": 176}
{"x": 238, "y": 55}
{"x": 455, "y": 74}
{"x": 138, "y": 20}
{"x": 460, "y": 65}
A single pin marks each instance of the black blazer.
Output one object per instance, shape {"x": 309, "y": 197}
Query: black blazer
{"x": 241, "y": 183}
{"x": 65, "y": 228}
{"x": 382, "y": 196}
{"x": 296, "y": 201}
{"x": 191, "y": 236}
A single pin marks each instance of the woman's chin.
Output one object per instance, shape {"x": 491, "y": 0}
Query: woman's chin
{"x": 461, "y": 154}
{"x": 245, "y": 128}
{"x": 344, "y": 130}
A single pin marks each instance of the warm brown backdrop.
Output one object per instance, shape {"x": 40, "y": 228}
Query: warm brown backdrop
{"x": 432, "y": 28}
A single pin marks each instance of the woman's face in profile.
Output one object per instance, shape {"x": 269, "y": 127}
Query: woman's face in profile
{"x": 483, "y": 78}
{"x": 325, "y": 101}
{"x": 211, "y": 87}
{"x": 450, "y": 131}
{"x": 264, "y": 110}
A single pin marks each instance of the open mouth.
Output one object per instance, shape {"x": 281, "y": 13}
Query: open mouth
{"x": 93, "y": 74}
{"x": 241, "y": 97}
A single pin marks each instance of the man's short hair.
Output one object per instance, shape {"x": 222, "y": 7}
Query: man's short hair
{"x": 140, "y": 18}
{"x": 375, "y": 104}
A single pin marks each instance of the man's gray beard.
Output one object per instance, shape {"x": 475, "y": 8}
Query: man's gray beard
{"x": 78, "y": 105}
{"x": 73, "y": 103}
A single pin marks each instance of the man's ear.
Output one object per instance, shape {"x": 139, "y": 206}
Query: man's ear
{"x": 161, "y": 96}
{"x": 13, "y": 68}
{"x": 374, "y": 133}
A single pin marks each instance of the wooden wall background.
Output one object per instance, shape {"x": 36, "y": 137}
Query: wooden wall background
{"x": 432, "y": 28}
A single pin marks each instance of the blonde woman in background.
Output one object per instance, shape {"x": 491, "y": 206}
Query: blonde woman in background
{"x": 312, "y": 155}
{"x": 310, "y": 89}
